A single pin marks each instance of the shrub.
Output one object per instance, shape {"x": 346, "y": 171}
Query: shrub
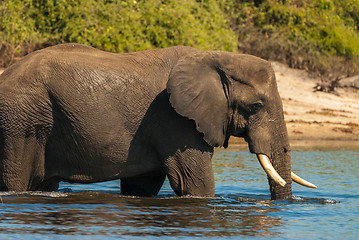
{"x": 113, "y": 25}
{"x": 319, "y": 36}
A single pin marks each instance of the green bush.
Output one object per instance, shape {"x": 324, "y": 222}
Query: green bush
{"x": 113, "y": 25}
{"x": 331, "y": 26}
{"x": 320, "y": 36}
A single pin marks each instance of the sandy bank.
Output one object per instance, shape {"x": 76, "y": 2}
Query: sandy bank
{"x": 316, "y": 115}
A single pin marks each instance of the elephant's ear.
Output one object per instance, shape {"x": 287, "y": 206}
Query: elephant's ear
{"x": 198, "y": 90}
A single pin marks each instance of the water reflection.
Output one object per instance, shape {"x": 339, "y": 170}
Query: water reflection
{"x": 81, "y": 213}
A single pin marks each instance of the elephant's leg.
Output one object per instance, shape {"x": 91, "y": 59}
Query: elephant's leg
{"x": 48, "y": 185}
{"x": 145, "y": 185}
{"x": 190, "y": 173}
{"x": 22, "y": 166}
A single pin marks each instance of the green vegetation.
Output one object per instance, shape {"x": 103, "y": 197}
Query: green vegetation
{"x": 113, "y": 25}
{"x": 321, "y": 36}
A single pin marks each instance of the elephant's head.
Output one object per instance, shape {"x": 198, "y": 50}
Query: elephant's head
{"x": 229, "y": 94}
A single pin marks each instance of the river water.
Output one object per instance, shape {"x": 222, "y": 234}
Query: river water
{"x": 241, "y": 209}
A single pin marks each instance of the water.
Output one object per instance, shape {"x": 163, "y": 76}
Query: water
{"x": 241, "y": 209}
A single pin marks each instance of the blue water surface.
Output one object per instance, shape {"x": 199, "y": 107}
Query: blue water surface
{"x": 242, "y": 208}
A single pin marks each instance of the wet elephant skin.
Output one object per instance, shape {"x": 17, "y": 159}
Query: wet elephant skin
{"x": 77, "y": 114}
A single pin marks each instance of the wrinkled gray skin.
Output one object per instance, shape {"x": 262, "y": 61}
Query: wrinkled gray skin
{"x": 76, "y": 114}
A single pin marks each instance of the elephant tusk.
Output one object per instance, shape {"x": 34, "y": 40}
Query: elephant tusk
{"x": 269, "y": 169}
{"x": 301, "y": 181}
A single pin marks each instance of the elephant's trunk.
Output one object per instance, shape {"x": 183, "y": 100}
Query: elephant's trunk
{"x": 272, "y": 148}
{"x": 268, "y": 139}
{"x": 281, "y": 160}
{"x": 269, "y": 169}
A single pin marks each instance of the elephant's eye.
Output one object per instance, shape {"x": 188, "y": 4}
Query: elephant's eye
{"x": 255, "y": 107}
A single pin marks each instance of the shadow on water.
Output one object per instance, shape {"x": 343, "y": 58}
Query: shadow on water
{"x": 107, "y": 213}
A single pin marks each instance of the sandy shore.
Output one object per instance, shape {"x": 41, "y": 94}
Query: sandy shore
{"x": 314, "y": 115}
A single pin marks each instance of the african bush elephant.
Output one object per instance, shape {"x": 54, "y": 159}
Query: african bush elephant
{"x": 77, "y": 114}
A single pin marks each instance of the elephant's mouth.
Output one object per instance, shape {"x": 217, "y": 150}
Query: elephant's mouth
{"x": 272, "y": 173}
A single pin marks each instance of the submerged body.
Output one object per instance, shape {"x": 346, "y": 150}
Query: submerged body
{"x": 76, "y": 114}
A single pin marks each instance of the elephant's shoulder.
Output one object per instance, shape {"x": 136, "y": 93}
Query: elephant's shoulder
{"x": 65, "y": 51}
{"x": 183, "y": 50}
{"x": 70, "y": 47}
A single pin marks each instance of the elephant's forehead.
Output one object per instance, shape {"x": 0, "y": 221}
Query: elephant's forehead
{"x": 256, "y": 76}
{"x": 248, "y": 67}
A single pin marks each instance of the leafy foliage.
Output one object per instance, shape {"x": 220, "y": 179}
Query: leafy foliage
{"x": 321, "y": 36}
{"x": 114, "y": 25}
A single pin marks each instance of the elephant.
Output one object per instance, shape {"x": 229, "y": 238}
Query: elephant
{"x": 77, "y": 114}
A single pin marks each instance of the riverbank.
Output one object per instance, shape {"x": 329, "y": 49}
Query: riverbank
{"x": 314, "y": 115}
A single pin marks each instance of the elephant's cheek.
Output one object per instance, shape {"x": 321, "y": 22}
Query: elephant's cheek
{"x": 259, "y": 141}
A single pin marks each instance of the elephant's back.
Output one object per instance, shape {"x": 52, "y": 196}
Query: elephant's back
{"x": 80, "y": 64}
{"x": 82, "y": 79}
{"x": 91, "y": 85}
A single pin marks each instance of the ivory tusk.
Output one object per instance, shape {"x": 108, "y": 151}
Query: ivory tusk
{"x": 269, "y": 169}
{"x": 301, "y": 181}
